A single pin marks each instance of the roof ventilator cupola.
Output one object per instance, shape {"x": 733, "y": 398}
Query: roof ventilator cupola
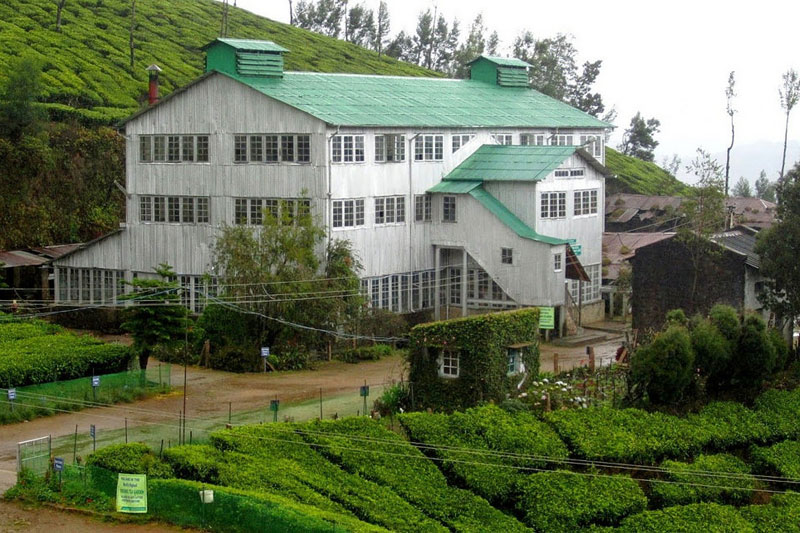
{"x": 502, "y": 71}
{"x": 245, "y": 58}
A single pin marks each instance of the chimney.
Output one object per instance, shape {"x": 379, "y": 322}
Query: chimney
{"x": 152, "y": 94}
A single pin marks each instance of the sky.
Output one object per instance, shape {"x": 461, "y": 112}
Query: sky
{"x": 668, "y": 60}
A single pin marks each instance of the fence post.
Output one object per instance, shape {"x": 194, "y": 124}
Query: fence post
{"x": 75, "y": 444}
{"x": 320, "y": 399}
{"x": 126, "y": 430}
{"x": 229, "y": 412}
{"x": 590, "y": 352}
{"x": 555, "y": 363}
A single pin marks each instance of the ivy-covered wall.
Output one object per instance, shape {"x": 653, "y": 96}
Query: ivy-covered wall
{"x": 482, "y": 342}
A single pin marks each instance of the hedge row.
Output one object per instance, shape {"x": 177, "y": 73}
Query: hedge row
{"x": 782, "y": 459}
{"x": 362, "y": 446}
{"x": 482, "y": 429}
{"x": 565, "y": 501}
{"x": 697, "y": 481}
{"x": 779, "y": 410}
{"x": 49, "y": 358}
{"x": 273, "y": 453}
{"x": 364, "y": 353}
{"x": 12, "y": 331}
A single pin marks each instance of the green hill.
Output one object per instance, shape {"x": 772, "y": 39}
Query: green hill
{"x": 640, "y": 177}
{"x": 87, "y": 71}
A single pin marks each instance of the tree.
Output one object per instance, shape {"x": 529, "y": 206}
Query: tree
{"x": 19, "y": 112}
{"x": 382, "y": 28}
{"x": 664, "y": 368}
{"x": 360, "y": 25}
{"x": 790, "y": 95}
{"x": 276, "y": 269}
{"x": 423, "y": 39}
{"x": 742, "y": 188}
{"x": 59, "y": 8}
{"x": 131, "y": 45}
{"x": 729, "y": 95}
{"x": 401, "y": 47}
{"x": 638, "y": 140}
{"x": 324, "y": 16}
{"x": 473, "y": 46}
{"x": 579, "y": 91}
{"x": 764, "y": 188}
{"x": 777, "y": 249}
{"x": 156, "y": 317}
{"x": 671, "y": 165}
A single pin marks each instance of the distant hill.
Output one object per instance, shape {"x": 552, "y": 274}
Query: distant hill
{"x": 87, "y": 71}
{"x": 640, "y": 177}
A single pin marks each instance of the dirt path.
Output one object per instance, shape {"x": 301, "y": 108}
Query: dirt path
{"x": 24, "y": 518}
{"x": 208, "y": 394}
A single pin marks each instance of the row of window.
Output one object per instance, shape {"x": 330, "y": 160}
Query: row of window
{"x": 590, "y": 289}
{"x": 176, "y": 209}
{"x": 250, "y": 211}
{"x": 90, "y": 285}
{"x": 349, "y": 213}
{"x": 554, "y": 204}
{"x": 271, "y": 148}
{"x": 449, "y": 362}
{"x": 173, "y": 148}
{"x": 294, "y": 148}
{"x": 401, "y": 292}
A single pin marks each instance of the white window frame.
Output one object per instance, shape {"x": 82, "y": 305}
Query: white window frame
{"x": 507, "y": 256}
{"x": 383, "y": 143}
{"x": 561, "y": 139}
{"x": 594, "y": 144}
{"x": 423, "y": 204}
{"x": 449, "y": 363}
{"x": 175, "y": 148}
{"x": 348, "y": 148}
{"x": 429, "y": 147}
{"x": 551, "y": 209}
{"x": 341, "y": 208}
{"x": 533, "y": 139}
{"x": 392, "y": 209}
{"x": 590, "y": 289}
{"x": 515, "y": 365}
{"x": 460, "y": 139}
{"x": 506, "y": 139}
{"x": 161, "y": 209}
{"x": 585, "y": 202}
{"x": 254, "y": 209}
{"x": 558, "y": 262}
{"x": 449, "y": 213}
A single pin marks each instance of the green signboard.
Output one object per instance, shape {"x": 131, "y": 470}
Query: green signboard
{"x": 547, "y": 318}
{"x": 132, "y": 493}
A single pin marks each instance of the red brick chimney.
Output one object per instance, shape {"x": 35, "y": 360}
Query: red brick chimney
{"x": 152, "y": 94}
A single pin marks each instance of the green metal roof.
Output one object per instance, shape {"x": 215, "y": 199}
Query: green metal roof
{"x": 510, "y": 219}
{"x": 248, "y": 44}
{"x": 502, "y": 61}
{"x": 455, "y": 187}
{"x": 368, "y": 100}
{"x": 511, "y": 163}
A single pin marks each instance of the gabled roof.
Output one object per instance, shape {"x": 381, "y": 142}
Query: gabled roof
{"x": 369, "y": 100}
{"x": 455, "y": 187}
{"x": 502, "y": 61}
{"x": 248, "y": 44}
{"x": 510, "y": 219}
{"x": 741, "y": 241}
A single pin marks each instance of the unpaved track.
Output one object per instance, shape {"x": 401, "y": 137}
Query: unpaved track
{"x": 208, "y": 394}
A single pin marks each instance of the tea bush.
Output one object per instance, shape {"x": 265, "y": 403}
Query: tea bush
{"x": 782, "y": 459}
{"x": 694, "y": 518}
{"x": 696, "y": 482}
{"x": 132, "y": 458}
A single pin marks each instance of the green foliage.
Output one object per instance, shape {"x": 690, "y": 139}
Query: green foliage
{"x": 486, "y": 428}
{"x": 640, "y": 177}
{"x": 781, "y": 515}
{"x": 199, "y": 462}
{"x": 414, "y": 478}
{"x": 364, "y": 353}
{"x": 564, "y": 501}
{"x": 664, "y": 368}
{"x": 18, "y": 94}
{"x": 778, "y": 410}
{"x": 754, "y": 358}
{"x": 712, "y": 353}
{"x": 393, "y": 400}
{"x": 677, "y": 317}
{"x": 233, "y": 358}
{"x": 156, "y": 318}
{"x": 694, "y": 518}
{"x": 52, "y": 357}
{"x": 730, "y": 424}
{"x": 697, "y": 482}
{"x": 781, "y": 459}
{"x": 780, "y": 346}
{"x": 638, "y": 140}
{"x": 726, "y": 320}
{"x": 132, "y": 458}
{"x": 482, "y": 344}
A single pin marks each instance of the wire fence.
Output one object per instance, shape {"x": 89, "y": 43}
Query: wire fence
{"x": 32, "y": 401}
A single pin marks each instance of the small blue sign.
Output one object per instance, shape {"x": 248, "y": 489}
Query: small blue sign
{"x": 95, "y": 381}
{"x": 12, "y": 394}
{"x": 264, "y": 351}
{"x": 92, "y": 431}
{"x": 58, "y": 464}
{"x": 273, "y": 405}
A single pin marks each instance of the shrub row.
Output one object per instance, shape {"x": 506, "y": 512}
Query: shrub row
{"x": 564, "y": 501}
{"x": 58, "y": 357}
{"x": 494, "y": 475}
{"x": 782, "y": 459}
{"x": 697, "y": 482}
{"x": 362, "y": 446}
{"x": 12, "y": 331}
{"x": 778, "y": 410}
{"x": 364, "y": 353}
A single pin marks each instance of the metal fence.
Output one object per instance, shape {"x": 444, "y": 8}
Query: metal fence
{"x": 34, "y": 455}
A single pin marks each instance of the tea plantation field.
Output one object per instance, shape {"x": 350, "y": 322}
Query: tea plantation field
{"x": 727, "y": 468}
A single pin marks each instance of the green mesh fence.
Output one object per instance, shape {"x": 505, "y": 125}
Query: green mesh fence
{"x": 58, "y": 396}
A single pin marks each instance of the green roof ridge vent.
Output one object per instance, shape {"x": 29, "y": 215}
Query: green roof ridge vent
{"x": 245, "y": 58}
{"x": 502, "y": 71}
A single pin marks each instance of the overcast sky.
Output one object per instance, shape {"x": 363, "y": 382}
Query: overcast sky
{"x": 669, "y": 60}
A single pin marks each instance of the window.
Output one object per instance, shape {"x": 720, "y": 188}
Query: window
{"x": 448, "y": 364}
{"x": 145, "y": 149}
{"x": 173, "y": 148}
{"x": 272, "y": 148}
{"x": 376, "y": 295}
{"x": 460, "y": 140}
{"x": 515, "y": 365}
{"x": 347, "y": 149}
{"x": 590, "y": 289}
{"x": 390, "y": 210}
{"x": 506, "y": 256}
{"x": 532, "y": 139}
{"x": 240, "y": 211}
{"x": 503, "y": 138}
{"x": 390, "y": 148}
{"x": 422, "y": 207}
{"x": 569, "y": 172}
{"x": 585, "y": 203}
{"x": 429, "y": 148}
{"x": 348, "y": 213}
{"x": 557, "y": 265}
{"x": 250, "y": 211}
{"x": 554, "y": 205}
{"x": 593, "y": 144}
{"x": 455, "y": 286}
{"x": 483, "y": 285}
{"x": 395, "y": 293}
{"x": 187, "y": 148}
{"x": 159, "y": 148}
{"x": 561, "y": 140}
{"x": 448, "y": 209}
{"x": 256, "y": 211}
{"x": 202, "y": 149}
{"x": 183, "y": 209}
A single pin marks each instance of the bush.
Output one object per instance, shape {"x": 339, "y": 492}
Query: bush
{"x": 664, "y": 368}
{"x": 781, "y": 459}
{"x": 730, "y": 424}
{"x": 236, "y": 359}
{"x": 197, "y": 462}
{"x": 565, "y": 501}
{"x": 712, "y": 353}
{"x": 677, "y": 317}
{"x": 781, "y": 348}
{"x": 290, "y": 358}
{"x": 726, "y": 320}
{"x": 778, "y": 411}
{"x": 393, "y": 400}
{"x": 133, "y": 458}
{"x": 754, "y": 358}
{"x": 734, "y": 485}
{"x": 364, "y": 353}
{"x": 782, "y": 515}
{"x": 694, "y": 518}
